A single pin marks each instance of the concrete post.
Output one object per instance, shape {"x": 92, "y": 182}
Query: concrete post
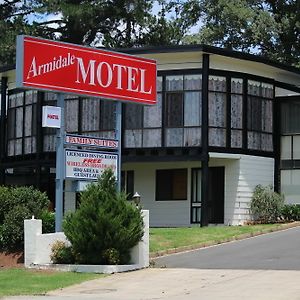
{"x": 140, "y": 253}
{"x": 32, "y": 228}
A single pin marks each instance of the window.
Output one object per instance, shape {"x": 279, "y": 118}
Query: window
{"x": 127, "y": 183}
{"x": 290, "y": 121}
{"x": 217, "y": 111}
{"x": 183, "y": 110}
{"x": 174, "y": 110}
{"x": 21, "y": 123}
{"x": 260, "y": 115}
{"x": 178, "y": 109}
{"x": 236, "y": 108}
{"x": 171, "y": 184}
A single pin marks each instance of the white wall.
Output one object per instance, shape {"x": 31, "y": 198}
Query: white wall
{"x": 242, "y": 174}
{"x": 241, "y": 177}
{"x": 37, "y": 248}
{"x": 162, "y": 213}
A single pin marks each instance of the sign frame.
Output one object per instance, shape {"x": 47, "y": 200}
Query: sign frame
{"x": 132, "y": 78}
{"x": 79, "y": 178}
{"x": 103, "y": 143}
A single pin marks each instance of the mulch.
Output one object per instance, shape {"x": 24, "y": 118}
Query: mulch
{"x": 11, "y": 260}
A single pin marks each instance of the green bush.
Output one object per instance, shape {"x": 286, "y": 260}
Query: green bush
{"x": 291, "y": 212}
{"x": 5, "y": 198}
{"x": 61, "y": 253}
{"x": 17, "y": 204}
{"x": 266, "y": 204}
{"x": 13, "y": 228}
{"x": 106, "y": 226}
{"x": 48, "y": 219}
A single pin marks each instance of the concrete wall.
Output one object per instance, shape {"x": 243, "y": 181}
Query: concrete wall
{"x": 37, "y": 248}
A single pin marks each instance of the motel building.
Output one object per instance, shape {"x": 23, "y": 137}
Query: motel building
{"x": 224, "y": 122}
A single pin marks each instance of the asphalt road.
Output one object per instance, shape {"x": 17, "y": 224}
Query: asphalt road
{"x": 275, "y": 251}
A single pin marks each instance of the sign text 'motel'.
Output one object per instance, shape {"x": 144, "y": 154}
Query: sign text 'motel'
{"x": 70, "y": 68}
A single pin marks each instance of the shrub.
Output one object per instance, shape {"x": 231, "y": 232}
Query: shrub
{"x": 17, "y": 204}
{"x": 48, "y": 219}
{"x": 266, "y": 204}
{"x": 106, "y": 226}
{"x": 5, "y": 199}
{"x": 291, "y": 212}
{"x": 13, "y": 228}
{"x": 61, "y": 253}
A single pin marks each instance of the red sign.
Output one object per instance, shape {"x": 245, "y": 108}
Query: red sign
{"x": 55, "y": 66}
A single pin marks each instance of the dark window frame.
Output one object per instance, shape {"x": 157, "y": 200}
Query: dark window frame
{"x": 166, "y": 183}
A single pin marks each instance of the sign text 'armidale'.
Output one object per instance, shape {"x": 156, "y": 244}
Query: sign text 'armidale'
{"x": 50, "y": 65}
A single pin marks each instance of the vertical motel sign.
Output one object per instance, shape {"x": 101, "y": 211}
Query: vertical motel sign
{"x": 84, "y": 71}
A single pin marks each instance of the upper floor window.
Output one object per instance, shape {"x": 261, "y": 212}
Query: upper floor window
{"x": 217, "y": 111}
{"x": 290, "y": 121}
{"x": 236, "y": 111}
{"x": 21, "y": 123}
{"x": 183, "y": 110}
{"x": 260, "y": 115}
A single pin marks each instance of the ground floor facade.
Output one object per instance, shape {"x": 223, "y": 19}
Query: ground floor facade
{"x": 171, "y": 191}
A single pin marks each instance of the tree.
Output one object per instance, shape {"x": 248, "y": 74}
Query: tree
{"x": 12, "y": 22}
{"x": 109, "y": 23}
{"x": 270, "y": 28}
{"x": 106, "y": 226}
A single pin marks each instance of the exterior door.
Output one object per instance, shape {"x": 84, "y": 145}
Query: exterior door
{"x": 196, "y": 197}
{"x": 215, "y": 203}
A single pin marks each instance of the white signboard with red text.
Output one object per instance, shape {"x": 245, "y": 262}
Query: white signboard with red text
{"x": 68, "y": 68}
{"x": 91, "y": 141}
{"x": 89, "y": 165}
{"x": 51, "y": 116}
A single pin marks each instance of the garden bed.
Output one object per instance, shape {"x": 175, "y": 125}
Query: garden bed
{"x": 11, "y": 259}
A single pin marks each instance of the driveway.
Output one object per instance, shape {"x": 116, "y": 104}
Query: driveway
{"x": 261, "y": 268}
{"x": 275, "y": 251}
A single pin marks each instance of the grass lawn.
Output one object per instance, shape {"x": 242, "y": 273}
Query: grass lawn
{"x": 19, "y": 281}
{"x": 169, "y": 238}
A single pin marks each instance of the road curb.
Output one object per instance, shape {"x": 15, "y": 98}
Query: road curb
{"x": 280, "y": 227}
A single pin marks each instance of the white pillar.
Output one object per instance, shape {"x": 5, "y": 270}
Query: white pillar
{"x": 140, "y": 253}
{"x": 32, "y": 228}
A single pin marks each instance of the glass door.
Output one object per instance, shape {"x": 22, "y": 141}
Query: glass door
{"x": 196, "y": 196}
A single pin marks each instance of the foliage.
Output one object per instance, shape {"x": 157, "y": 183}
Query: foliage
{"x": 106, "y": 226}
{"x": 17, "y": 204}
{"x": 266, "y": 204}
{"x": 291, "y": 212}
{"x": 21, "y": 281}
{"x": 13, "y": 228}
{"x": 109, "y": 23}
{"x": 48, "y": 221}
{"x": 270, "y": 28}
{"x": 61, "y": 253}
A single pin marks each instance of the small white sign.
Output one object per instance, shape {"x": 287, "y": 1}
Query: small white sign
{"x": 89, "y": 165}
{"x": 51, "y": 116}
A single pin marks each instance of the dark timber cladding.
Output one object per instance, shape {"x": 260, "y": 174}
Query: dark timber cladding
{"x": 2, "y": 125}
{"x": 204, "y": 133}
